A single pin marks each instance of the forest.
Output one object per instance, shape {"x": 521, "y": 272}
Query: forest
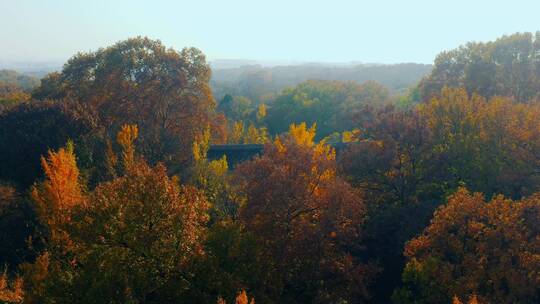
{"x": 107, "y": 193}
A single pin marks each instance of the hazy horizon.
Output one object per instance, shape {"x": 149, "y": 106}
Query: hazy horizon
{"x": 385, "y": 32}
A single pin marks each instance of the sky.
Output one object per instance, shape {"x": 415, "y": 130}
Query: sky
{"x": 377, "y": 31}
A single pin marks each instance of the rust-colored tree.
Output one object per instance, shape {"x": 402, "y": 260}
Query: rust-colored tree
{"x": 473, "y": 247}
{"x": 140, "y": 81}
{"x": 307, "y": 219}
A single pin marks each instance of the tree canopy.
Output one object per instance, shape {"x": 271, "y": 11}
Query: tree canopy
{"x": 508, "y": 66}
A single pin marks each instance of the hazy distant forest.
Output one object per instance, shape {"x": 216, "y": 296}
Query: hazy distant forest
{"x": 107, "y": 193}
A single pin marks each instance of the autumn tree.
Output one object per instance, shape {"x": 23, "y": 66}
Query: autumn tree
{"x": 130, "y": 240}
{"x": 306, "y": 219}
{"x": 140, "y": 81}
{"x": 11, "y": 95}
{"x": 387, "y": 164}
{"x": 490, "y": 145}
{"x": 428, "y": 152}
{"x": 240, "y": 134}
{"x": 473, "y": 247}
{"x": 212, "y": 177}
{"x": 57, "y": 199}
{"x": 407, "y": 161}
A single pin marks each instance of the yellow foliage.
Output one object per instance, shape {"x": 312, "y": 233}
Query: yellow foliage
{"x": 201, "y": 145}
{"x": 256, "y": 135}
{"x": 125, "y": 138}
{"x": 301, "y": 135}
{"x": 219, "y": 167}
{"x": 304, "y": 137}
{"x": 237, "y": 132}
{"x": 261, "y": 112}
{"x": 251, "y": 135}
{"x": 350, "y": 136}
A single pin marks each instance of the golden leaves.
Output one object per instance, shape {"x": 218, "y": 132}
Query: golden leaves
{"x": 301, "y": 135}
{"x": 61, "y": 189}
{"x": 126, "y": 138}
{"x": 261, "y": 112}
{"x": 252, "y": 135}
{"x": 480, "y": 246}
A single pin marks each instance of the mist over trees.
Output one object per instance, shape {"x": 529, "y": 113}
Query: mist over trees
{"x": 108, "y": 194}
{"x": 261, "y": 84}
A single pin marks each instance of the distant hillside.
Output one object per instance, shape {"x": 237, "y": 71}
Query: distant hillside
{"x": 261, "y": 83}
{"x": 23, "y": 81}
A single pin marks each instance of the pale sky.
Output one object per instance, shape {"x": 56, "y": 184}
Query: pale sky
{"x": 383, "y": 31}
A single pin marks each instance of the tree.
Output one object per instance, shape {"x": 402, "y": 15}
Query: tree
{"x": 476, "y": 248}
{"x": 387, "y": 165}
{"x": 488, "y": 145}
{"x": 25, "y": 82}
{"x": 507, "y": 67}
{"x": 330, "y": 104}
{"x": 132, "y": 239}
{"x": 406, "y": 161}
{"x": 239, "y": 134}
{"x": 18, "y": 225}
{"x": 29, "y": 130}
{"x": 306, "y": 219}
{"x": 57, "y": 199}
{"x": 139, "y": 81}
{"x": 236, "y": 108}
{"x": 11, "y": 95}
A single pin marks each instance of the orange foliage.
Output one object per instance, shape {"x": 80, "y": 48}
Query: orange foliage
{"x": 241, "y": 298}
{"x": 58, "y": 195}
{"x": 13, "y": 293}
{"x": 61, "y": 189}
{"x": 489, "y": 249}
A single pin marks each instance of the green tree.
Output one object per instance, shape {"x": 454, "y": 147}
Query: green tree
{"x": 332, "y": 105}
